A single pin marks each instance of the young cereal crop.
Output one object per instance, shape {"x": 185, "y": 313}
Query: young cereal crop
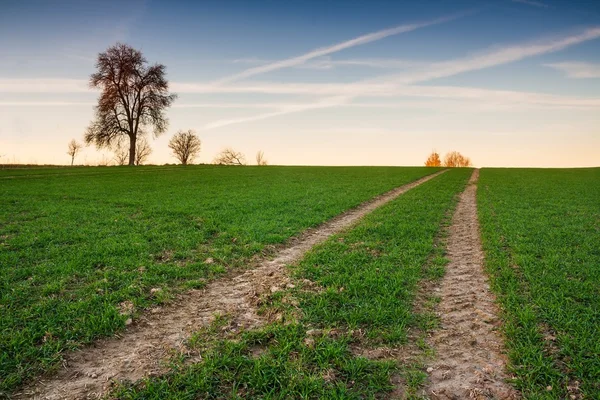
{"x": 541, "y": 235}
{"x": 81, "y": 248}
{"x": 354, "y": 291}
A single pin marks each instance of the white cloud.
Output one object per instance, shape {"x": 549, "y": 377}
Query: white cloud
{"x": 326, "y": 63}
{"x": 408, "y": 96}
{"x": 43, "y": 85}
{"x": 577, "y": 70}
{"x": 283, "y": 109}
{"x": 323, "y": 51}
{"x": 496, "y": 57}
{"x": 479, "y": 61}
{"x": 45, "y": 103}
{"x": 506, "y": 97}
{"x": 282, "y": 88}
{"x": 337, "y": 94}
{"x": 532, "y": 3}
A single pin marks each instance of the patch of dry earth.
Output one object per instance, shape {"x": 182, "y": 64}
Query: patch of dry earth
{"x": 470, "y": 361}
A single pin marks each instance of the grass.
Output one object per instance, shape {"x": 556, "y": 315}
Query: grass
{"x": 354, "y": 291}
{"x": 77, "y": 244}
{"x": 541, "y": 235}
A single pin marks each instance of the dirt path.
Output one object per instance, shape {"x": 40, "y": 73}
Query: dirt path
{"x": 469, "y": 361}
{"x": 139, "y": 350}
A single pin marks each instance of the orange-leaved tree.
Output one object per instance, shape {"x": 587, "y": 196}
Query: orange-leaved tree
{"x": 433, "y": 160}
{"x": 455, "y": 159}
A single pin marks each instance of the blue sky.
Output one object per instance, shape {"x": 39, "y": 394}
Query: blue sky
{"x": 506, "y": 82}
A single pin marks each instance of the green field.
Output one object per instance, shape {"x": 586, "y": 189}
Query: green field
{"x": 77, "y": 242}
{"x": 368, "y": 278}
{"x": 541, "y": 235}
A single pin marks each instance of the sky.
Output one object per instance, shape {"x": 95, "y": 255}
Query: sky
{"x": 505, "y": 82}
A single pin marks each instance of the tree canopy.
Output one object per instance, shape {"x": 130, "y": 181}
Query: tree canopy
{"x": 134, "y": 97}
{"x": 229, "y": 156}
{"x": 73, "y": 149}
{"x": 433, "y": 160}
{"x": 455, "y": 159}
{"x": 185, "y": 145}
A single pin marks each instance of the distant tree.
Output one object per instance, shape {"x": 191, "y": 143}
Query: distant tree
{"x": 260, "y": 158}
{"x": 185, "y": 145}
{"x": 433, "y": 160}
{"x": 121, "y": 151}
{"x": 229, "y": 156}
{"x": 143, "y": 151}
{"x": 74, "y": 148}
{"x": 455, "y": 159}
{"x": 134, "y": 96}
{"x": 104, "y": 161}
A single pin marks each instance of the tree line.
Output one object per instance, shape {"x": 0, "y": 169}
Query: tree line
{"x": 185, "y": 146}
{"x": 133, "y": 99}
{"x": 134, "y": 96}
{"x": 452, "y": 160}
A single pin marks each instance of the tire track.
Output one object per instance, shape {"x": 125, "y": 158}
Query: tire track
{"x": 470, "y": 361}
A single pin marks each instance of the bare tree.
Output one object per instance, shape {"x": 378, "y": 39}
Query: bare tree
{"x": 74, "y": 148}
{"x": 143, "y": 151}
{"x": 134, "y": 96}
{"x": 121, "y": 151}
{"x": 455, "y": 159}
{"x": 185, "y": 145}
{"x": 433, "y": 160}
{"x": 229, "y": 156}
{"x": 104, "y": 161}
{"x": 260, "y": 158}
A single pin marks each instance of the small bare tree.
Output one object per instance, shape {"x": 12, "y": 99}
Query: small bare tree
{"x": 121, "y": 152}
{"x": 185, "y": 145}
{"x": 74, "y": 148}
{"x": 143, "y": 150}
{"x": 456, "y": 160}
{"x": 104, "y": 161}
{"x": 260, "y": 158}
{"x": 229, "y": 156}
{"x": 134, "y": 96}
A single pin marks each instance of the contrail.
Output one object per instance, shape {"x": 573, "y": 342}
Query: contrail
{"x": 368, "y": 38}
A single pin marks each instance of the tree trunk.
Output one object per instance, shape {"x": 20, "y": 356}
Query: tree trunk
{"x": 72, "y": 159}
{"x": 132, "y": 150}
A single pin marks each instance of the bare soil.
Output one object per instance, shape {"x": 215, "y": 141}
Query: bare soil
{"x": 141, "y": 350}
{"x": 470, "y": 361}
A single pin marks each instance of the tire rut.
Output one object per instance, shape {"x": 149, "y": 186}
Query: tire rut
{"x": 470, "y": 361}
{"x": 141, "y": 349}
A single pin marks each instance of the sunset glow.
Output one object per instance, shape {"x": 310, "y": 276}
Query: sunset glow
{"x": 508, "y": 83}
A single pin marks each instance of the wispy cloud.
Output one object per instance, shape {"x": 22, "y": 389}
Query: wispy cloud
{"x": 498, "y": 56}
{"x": 487, "y": 59}
{"x": 490, "y": 58}
{"x": 320, "y": 52}
{"x": 284, "y": 109}
{"x": 500, "y": 97}
{"x": 326, "y": 63}
{"x": 409, "y": 97}
{"x": 387, "y": 86}
{"x": 532, "y": 3}
{"x": 42, "y": 85}
{"x": 284, "y": 88}
{"x": 577, "y": 70}
{"x": 45, "y": 103}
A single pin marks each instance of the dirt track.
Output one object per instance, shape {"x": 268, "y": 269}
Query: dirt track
{"x": 139, "y": 350}
{"x": 469, "y": 361}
